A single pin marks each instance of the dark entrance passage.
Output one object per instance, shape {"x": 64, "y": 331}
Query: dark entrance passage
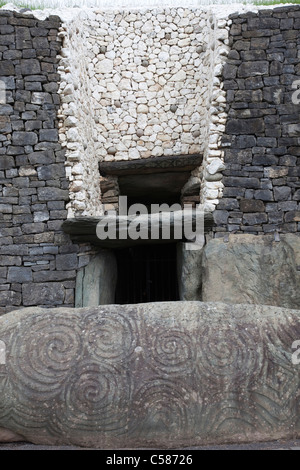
{"x": 147, "y": 274}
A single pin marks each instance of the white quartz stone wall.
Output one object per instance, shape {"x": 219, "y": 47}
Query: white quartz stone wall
{"x": 141, "y": 84}
{"x": 149, "y": 82}
{"x": 78, "y": 133}
{"x": 213, "y": 157}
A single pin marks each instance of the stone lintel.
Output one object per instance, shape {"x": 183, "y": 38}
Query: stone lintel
{"x": 83, "y": 229}
{"x": 151, "y": 165}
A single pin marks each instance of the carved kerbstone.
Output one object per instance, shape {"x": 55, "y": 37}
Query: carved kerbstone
{"x": 161, "y": 374}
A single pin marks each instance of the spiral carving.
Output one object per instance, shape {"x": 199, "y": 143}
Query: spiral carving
{"x": 172, "y": 351}
{"x": 230, "y": 356}
{"x": 95, "y": 398}
{"x": 44, "y": 353}
{"x": 111, "y": 337}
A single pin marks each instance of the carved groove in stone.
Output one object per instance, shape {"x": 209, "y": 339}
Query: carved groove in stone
{"x": 158, "y": 374}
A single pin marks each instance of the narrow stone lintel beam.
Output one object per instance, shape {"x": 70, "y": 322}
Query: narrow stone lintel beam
{"x": 83, "y": 229}
{"x": 151, "y": 165}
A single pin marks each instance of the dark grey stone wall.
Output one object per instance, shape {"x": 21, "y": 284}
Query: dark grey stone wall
{"x": 38, "y": 262}
{"x": 261, "y": 142}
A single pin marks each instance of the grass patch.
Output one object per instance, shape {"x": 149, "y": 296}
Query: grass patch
{"x": 42, "y": 4}
{"x": 275, "y": 2}
{"x": 36, "y": 6}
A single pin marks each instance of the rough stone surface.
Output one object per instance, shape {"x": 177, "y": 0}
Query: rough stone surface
{"x": 33, "y": 181}
{"x": 96, "y": 282}
{"x": 253, "y": 269}
{"x": 189, "y": 272}
{"x": 153, "y": 375}
{"x": 262, "y": 128}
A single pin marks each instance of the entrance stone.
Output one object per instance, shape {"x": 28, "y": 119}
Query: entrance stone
{"x": 159, "y": 375}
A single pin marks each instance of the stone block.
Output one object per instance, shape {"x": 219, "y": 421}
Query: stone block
{"x": 49, "y": 276}
{"x": 10, "y": 260}
{"x": 66, "y": 262}
{"x": 263, "y": 23}
{"x": 49, "y": 135}
{"x": 36, "y": 227}
{"x": 275, "y": 217}
{"x": 243, "y": 182}
{"x": 40, "y": 98}
{"x": 264, "y": 195}
{"x": 45, "y": 157}
{"x": 24, "y": 138}
{"x": 221, "y": 217}
{"x": 50, "y": 293}
{"x": 189, "y": 272}
{"x": 282, "y": 193}
{"x": 30, "y": 66}
{"x": 10, "y": 298}
{"x": 253, "y": 68}
{"x": 252, "y": 205}
{"x": 52, "y": 194}
{"x": 7, "y": 68}
{"x": 12, "y": 54}
{"x": 255, "y": 218}
{"x": 229, "y": 71}
{"x": 51, "y": 172}
{"x": 245, "y": 126}
{"x": 19, "y": 274}
{"x": 6, "y": 162}
{"x": 292, "y": 216}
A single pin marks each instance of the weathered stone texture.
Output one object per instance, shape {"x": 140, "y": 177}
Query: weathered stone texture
{"x": 253, "y": 269}
{"x": 39, "y": 260}
{"x": 158, "y": 375}
{"x": 96, "y": 282}
{"x": 262, "y": 131}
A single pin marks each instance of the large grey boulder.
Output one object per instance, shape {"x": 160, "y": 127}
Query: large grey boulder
{"x": 252, "y": 269}
{"x": 169, "y": 374}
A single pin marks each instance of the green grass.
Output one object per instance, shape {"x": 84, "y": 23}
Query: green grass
{"x": 274, "y": 2}
{"x": 39, "y": 6}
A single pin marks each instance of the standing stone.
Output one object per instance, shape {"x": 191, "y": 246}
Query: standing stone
{"x": 96, "y": 282}
{"x": 252, "y": 269}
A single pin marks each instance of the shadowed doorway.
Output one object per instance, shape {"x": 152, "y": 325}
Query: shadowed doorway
{"x": 147, "y": 274}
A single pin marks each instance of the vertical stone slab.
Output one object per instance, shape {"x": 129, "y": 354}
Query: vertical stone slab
{"x": 189, "y": 272}
{"x": 96, "y": 283}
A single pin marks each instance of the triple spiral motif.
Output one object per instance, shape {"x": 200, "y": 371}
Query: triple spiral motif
{"x": 118, "y": 373}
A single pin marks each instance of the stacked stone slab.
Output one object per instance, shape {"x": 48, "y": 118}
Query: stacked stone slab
{"x": 38, "y": 262}
{"x": 261, "y": 141}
